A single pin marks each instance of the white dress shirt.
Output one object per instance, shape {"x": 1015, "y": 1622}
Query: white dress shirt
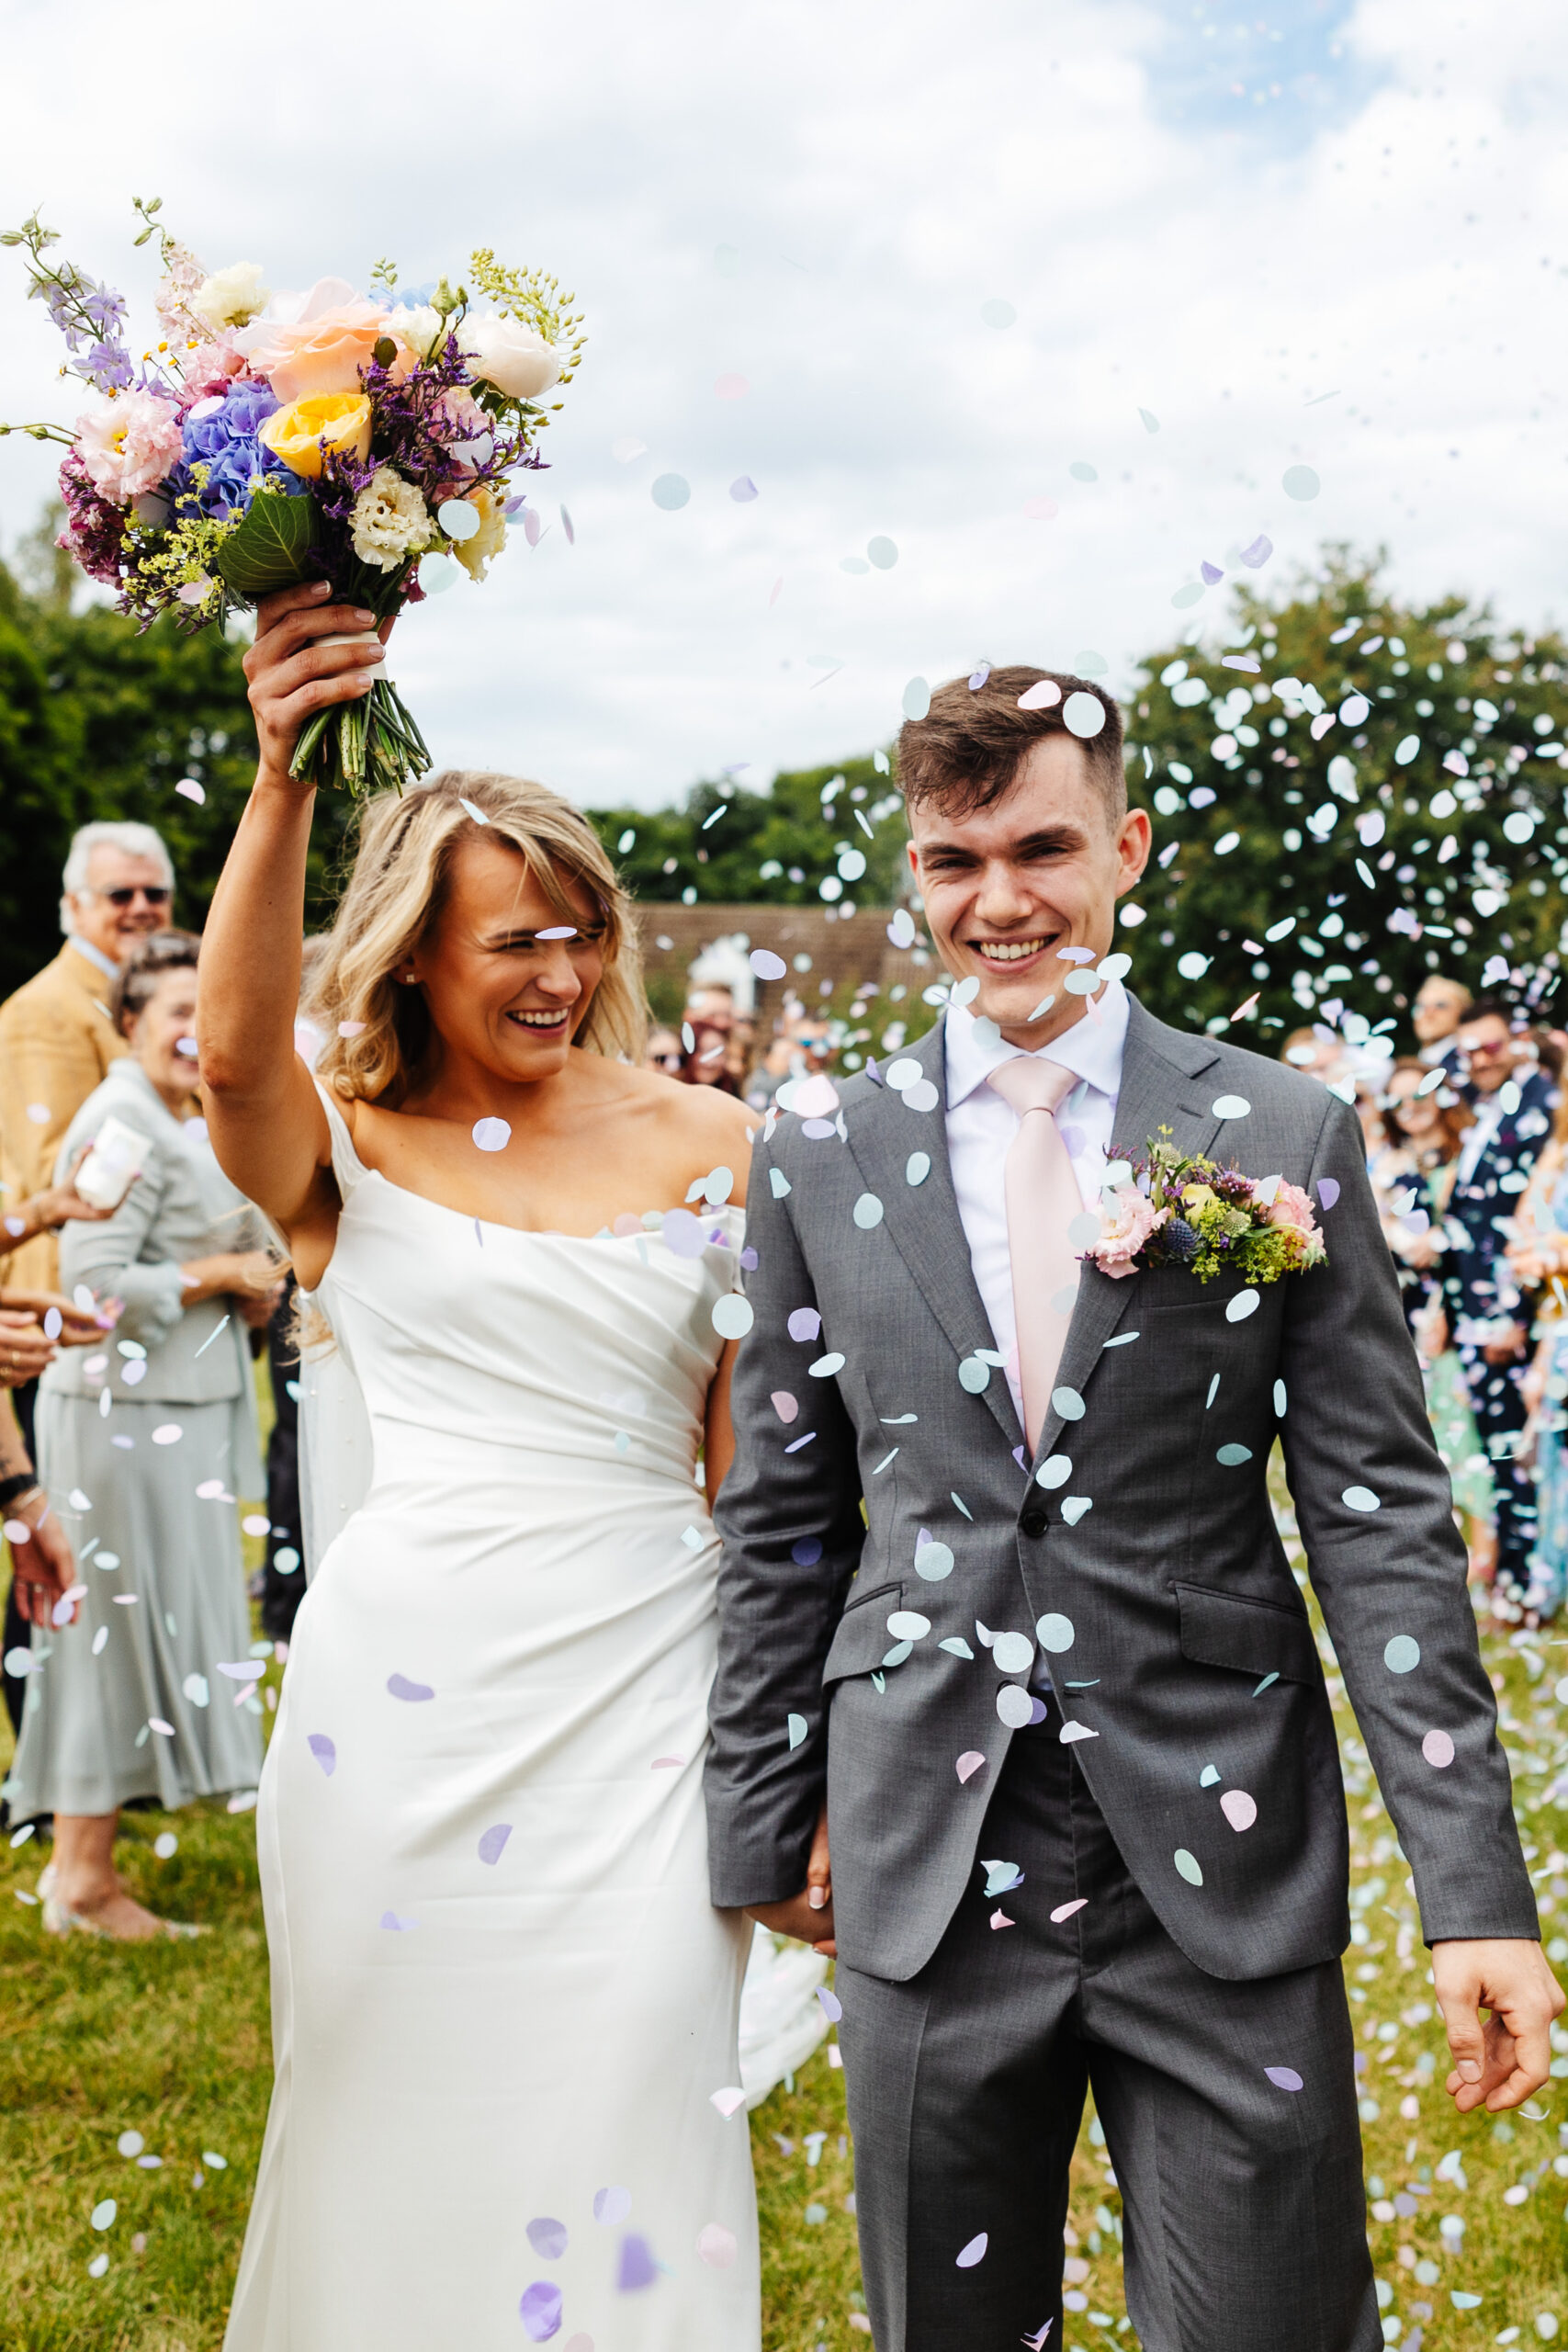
{"x": 980, "y": 1126}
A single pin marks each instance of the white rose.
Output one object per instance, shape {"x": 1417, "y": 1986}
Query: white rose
{"x": 420, "y": 328}
{"x": 504, "y": 352}
{"x": 231, "y": 295}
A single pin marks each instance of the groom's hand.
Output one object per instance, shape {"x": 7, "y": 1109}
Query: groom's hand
{"x": 1502, "y": 2061}
{"x": 808, "y": 1915}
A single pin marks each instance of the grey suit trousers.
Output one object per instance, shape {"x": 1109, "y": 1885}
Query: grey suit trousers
{"x": 1244, "y": 2215}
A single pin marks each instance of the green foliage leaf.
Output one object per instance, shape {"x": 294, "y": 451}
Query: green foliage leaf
{"x": 271, "y": 547}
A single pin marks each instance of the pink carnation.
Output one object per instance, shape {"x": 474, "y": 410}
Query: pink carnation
{"x": 1291, "y": 1211}
{"x": 211, "y": 368}
{"x": 1126, "y": 1222}
{"x": 127, "y": 445}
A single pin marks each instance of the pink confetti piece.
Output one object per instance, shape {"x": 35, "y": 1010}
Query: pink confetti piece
{"x": 1065, "y": 1910}
{"x": 787, "y": 1407}
{"x": 969, "y": 1763}
{"x": 999, "y": 1919}
{"x": 731, "y": 388}
{"x": 667, "y": 1764}
{"x": 774, "y": 592}
{"x": 1438, "y": 1749}
{"x": 717, "y": 2245}
{"x": 1042, "y": 695}
{"x": 1240, "y": 1809}
{"x": 728, "y": 2101}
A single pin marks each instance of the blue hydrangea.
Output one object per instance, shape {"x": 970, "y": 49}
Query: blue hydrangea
{"x": 226, "y": 442}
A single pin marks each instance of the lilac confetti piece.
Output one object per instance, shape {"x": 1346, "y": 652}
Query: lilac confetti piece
{"x": 325, "y": 1750}
{"x": 808, "y": 1549}
{"x": 492, "y": 1845}
{"x": 611, "y": 2206}
{"x": 683, "y": 1233}
{"x": 547, "y": 2238}
{"x": 833, "y": 2007}
{"x": 975, "y": 2251}
{"x": 1327, "y": 1190}
{"x": 1284, "y": 2078}
{"x": 1212, "y": 573}
{"x": 748, "y": 1259}
{"x": 539, "y": 2311}
{"x": 399, "y": 1926}
{"x": 567, "y": 526}
{"x": 743, "y": 490}
{"x": 805, "y": 1323}
{"x": 636, "y": 2267}
{"x": 1258, "y": 553}
{"x": 401, "y": 1688}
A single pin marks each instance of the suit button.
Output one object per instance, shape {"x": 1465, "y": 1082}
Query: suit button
{"x": 1034, "y": 1520}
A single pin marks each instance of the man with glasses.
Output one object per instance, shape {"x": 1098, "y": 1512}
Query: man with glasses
{"x": 1512, "y": 1099}
{"x": 56, "y": 1044}
{"x": 1441, "y": 1006}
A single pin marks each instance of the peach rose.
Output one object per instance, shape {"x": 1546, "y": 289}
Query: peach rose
{"x": 1126, "y": 1221}
{"x": 306, "y": 345}
{"x": 1291, "y": 1211}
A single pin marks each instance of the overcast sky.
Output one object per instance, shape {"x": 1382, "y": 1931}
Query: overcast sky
{"x": 1327, "y": 233}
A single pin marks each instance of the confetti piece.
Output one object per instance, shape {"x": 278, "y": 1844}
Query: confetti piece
{"x": 1067, "y": 1910}
{"x": 1360, "y": 1498}
{"x": 188, "y": 789}
{"x": 165, "y": 1846}
{"x": 1070, "y": 1734}
{"x": 806, "y": 1550}
{"x": 1012, "y": 1653}
{"x": 1187, "y": 1866}
{"x": 975, "y": 2250}
{"x": 547, "y": 2238}
{"x": 743, "y": 490}
{"x": 1054, "y": 1471}
{"x": 933, "y": 1562}
{"x": 1231, "y": 1457}
{"x": 798, "y": 1728}
{"x": 670, "y": 492}
{"x": 1074, "y": 1507}
{"x": 733, "y": 1316}
{"x": 1207, "y": 1776}
{"x": 1240, "y": 1809}
{"x": 492, "y": 1845}
{"x": 717, "y": 2245}
{"x": 1245, "y": 1303}
{"x": 399, "y": 1687}
{"x": 396, "y": 1927}
{"x": 1055, "y": 1633}
{"x": 1284, "y": 2078}
{"x": 1438, "y": 1749}
{"x": 969, "y": 1763}
{"x": 916, "y": 700}
{"x": 130, "y": 2143}
{"x": 1014, "y": 1706}
{"x": 167, "y": 1433}
{"x": 1328, "y": 1191}
{"x": 1150, "y": 422}
{"x": 1300, "y": 482}
{"x": 1230, "y": 1106}
{"x": 766, "y": 964}
{"x": 1067, "y": 1404}
{"x": 539, "y": 2309}
{"x": 611, "y": 2206}
{"x": 1402, "y": 1654}
{"x": 868, "y": 1212}
{"x": 728, "y": 2101}
{"x": 104, "y": 2213}
{"x": 1043, "y": 694}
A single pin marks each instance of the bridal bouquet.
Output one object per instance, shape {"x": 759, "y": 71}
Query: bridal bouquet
{"x": 270, "y": 438}
{"x": 1175, "y": 1210}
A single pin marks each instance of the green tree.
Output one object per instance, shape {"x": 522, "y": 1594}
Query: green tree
{"x": 97, "y": 722}
{"x": 1349, "y": 792}
{"x": 828, "y": 834}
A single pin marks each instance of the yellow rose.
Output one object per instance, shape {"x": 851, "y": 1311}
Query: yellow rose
{"x": 303, "y": 432}
{"x": 1198, "y": 1196}
{"x": 475, "y": 552}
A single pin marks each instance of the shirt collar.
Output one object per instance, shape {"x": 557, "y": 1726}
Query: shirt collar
{"x": 1091, "y": 1048}
{"x": 105, "y": 963}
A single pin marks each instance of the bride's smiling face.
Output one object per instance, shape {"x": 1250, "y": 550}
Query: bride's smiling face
{"x": 500, "y": 991}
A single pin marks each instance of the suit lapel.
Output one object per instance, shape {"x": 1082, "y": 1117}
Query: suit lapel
{"x": 922, "y": 1219}
{"x": 1163, "y": 1085}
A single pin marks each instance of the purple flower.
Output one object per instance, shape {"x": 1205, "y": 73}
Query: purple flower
{"x": 95, "y": 531}
{"x": 223, "y": 435}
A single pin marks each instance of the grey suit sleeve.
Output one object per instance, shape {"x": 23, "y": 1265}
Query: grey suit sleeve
{"x": 792, "y": 1529}
{"x": 111, "y": 1258}
{"x": 1391, "y": 1579}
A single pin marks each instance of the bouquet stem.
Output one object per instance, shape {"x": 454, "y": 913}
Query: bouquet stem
{"x": 362, "y": 747}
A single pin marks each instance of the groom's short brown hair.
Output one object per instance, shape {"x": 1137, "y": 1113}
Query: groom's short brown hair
{"x": 967, "y": 751}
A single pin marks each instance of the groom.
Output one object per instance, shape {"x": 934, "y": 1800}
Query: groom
{"x": 1001, "y": 1581}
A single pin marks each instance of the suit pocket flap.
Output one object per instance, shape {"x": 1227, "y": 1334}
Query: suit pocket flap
{"x": 1255, "y": 1638}
{"x": 862, "y": 1640}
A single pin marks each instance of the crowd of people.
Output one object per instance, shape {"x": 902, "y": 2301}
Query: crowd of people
{"x": 1467, "y": 1150}
{"x": 161, "y": 1300}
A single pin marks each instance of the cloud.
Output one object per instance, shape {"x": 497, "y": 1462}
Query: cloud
{"x": 1334, "y": 248}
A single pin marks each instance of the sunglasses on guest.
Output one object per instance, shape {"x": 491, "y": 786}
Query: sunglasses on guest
{"x": 127, "y": 896}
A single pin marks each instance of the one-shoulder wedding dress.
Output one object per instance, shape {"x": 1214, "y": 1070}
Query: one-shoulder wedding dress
{"x": 502, "y": 2005}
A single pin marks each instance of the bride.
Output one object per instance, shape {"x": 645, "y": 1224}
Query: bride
{"x": 503, "y": 2011}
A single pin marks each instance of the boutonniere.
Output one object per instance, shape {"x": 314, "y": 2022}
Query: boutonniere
{"x": 1173, "y": 1210}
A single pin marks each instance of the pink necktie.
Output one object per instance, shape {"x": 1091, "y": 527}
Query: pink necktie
{"x": 1042, "y": 1198}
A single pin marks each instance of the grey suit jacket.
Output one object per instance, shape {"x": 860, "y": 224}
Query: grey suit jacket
{"x": 1190, "y": 1645}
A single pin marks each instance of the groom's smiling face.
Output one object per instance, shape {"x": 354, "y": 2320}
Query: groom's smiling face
{"x": 1007, "y": 888}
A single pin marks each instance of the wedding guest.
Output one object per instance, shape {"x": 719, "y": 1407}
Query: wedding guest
{"x": 1440, "y": 1005}
{"x": 1484, "y": 1308}
{"x": 774, "y": 1068}
{"x": 1315, "y": 1052}
{"x": 130, "y": 1702}
{"x": 1537, "y": 1254}
{"x": 1412, "y": 1178}
{"x": 57, "y": 1042}
{"x": 664, "y": 1053}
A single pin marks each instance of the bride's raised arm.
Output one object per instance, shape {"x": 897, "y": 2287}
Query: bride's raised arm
{"x": 264, "y": 1116}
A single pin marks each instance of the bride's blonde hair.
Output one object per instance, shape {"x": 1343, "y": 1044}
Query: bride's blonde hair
{"x": 402, "y": 874}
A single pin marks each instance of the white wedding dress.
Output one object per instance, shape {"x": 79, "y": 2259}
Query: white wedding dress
{"x": 502, "y": 2001}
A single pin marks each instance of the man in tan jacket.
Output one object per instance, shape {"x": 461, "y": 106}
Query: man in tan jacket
{"x": 56, "y": 1037}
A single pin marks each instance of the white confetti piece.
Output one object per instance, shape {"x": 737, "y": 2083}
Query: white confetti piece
{"x": 1055, "y": 1633}
{"x": 1360, "y": 1498}
{"x": 1187, "y": 1866}
{"x": 1014, "y": 1706}
{"x": 1070, "y": 1734}
{"x": 1244, "y": 1304}
{"x": 491, "y": 1135}
{"x": 1402, "y": 1654}
{"x": 1230, "y": 1106}
{"x": 1067, "y": 1910}
{"x": 732, "y": 1315}
{"x": 728, "y": 2101}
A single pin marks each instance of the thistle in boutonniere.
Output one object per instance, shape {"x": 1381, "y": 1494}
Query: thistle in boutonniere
{"x": 1173, "y": 1209}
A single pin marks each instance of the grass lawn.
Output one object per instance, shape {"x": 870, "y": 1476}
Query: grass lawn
{"x": 172, "y": 2042}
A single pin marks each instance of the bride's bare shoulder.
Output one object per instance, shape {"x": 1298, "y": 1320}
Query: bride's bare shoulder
{"x": 700, "y": 1116}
